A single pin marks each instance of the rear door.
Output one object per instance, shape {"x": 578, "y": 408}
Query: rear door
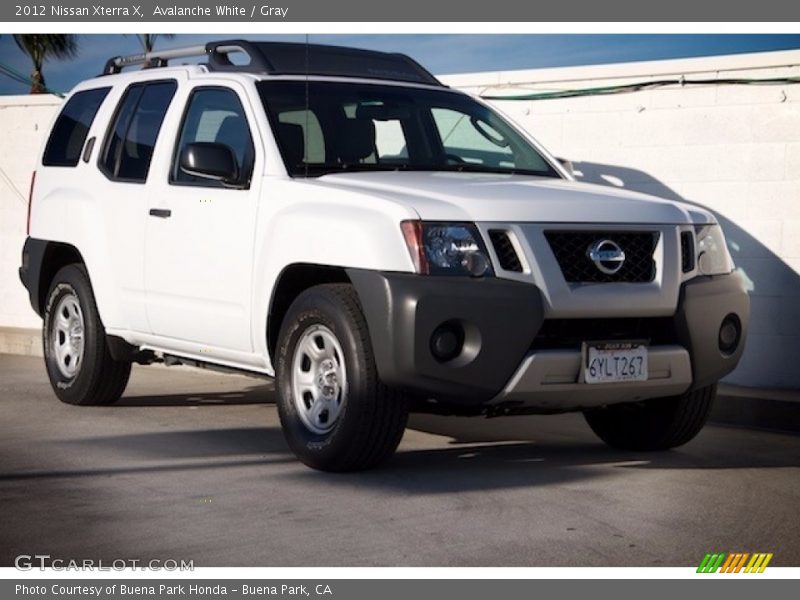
{"x": 124, "y": 162}
{"x": 200, "y": 232}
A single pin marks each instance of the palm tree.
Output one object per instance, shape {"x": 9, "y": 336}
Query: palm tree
{"x": 40, "y": 47}
{"x": 148, "y": 40}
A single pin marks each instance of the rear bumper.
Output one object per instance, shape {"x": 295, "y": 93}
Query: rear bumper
{"x": 503, "y": 371}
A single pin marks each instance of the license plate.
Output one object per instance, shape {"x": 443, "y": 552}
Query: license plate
{"x": 609, "y": 362}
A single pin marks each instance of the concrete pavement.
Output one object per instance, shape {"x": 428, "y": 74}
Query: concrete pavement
{"x": 192, "y": 465}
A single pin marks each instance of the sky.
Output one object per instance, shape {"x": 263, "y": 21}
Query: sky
{"x": 440, "y": 53}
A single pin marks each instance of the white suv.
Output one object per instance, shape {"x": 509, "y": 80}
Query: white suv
{"x": 378, "y": 243}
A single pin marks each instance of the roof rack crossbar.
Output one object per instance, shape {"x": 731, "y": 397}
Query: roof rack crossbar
{"x": 155, "y": 58}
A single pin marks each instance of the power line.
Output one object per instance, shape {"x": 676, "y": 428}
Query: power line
{"x": 10, "y": 183}
{"x": 637, "y": 87}
{"x": 12, "y": 73}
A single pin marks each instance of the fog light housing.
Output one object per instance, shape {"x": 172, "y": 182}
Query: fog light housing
{"x": 447, "y": 341}
{"x": 730, "y": 333}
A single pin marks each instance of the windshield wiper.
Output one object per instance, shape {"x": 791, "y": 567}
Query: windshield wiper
{"x": 329, "y": 168}
{"x": 471, "y": 168}
{"x": 317, "y": 170}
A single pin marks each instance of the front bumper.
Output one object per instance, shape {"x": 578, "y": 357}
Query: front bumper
{"x": 504, "y": 373}
{"x": 403, "y": 311}
{"x": 550, "y": 381}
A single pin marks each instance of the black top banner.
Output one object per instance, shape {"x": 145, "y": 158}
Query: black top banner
{"x": 443, "y": 11}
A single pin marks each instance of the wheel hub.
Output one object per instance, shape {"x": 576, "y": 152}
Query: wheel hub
{"x": 319, "y": 381}
{"x": 327, "y": 380}
{"x": 75, "y": 334}
{"x": 66, "y": 339}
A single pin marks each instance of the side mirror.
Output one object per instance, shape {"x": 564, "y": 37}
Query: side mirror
{"x": 567, "y": 164}
{"x": 210, "y": 160}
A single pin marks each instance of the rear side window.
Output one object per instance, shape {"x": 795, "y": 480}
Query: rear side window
{"x": 134, "y": 131}
{"x": 71, "y": 128}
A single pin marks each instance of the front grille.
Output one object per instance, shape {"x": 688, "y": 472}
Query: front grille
{"x": 687, "y": 251}
{"x": 563, "y": 334}
{"x": 571, "y": 249}
{"x": 509, "y": 261}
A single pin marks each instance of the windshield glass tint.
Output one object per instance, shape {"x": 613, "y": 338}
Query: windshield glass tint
{"x": 327, "y": 127}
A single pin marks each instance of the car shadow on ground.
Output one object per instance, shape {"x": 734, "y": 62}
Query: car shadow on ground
{"x": 256, "y": 393}
{"x": 168, "y": 451}
{"x": 455, "y": 467}
{"x": 566, "y": 440}
{"x": 485, "y": 455}
{"x": 475, "y": 454}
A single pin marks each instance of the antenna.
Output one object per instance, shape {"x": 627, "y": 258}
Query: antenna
{"x": 308, "y": 109}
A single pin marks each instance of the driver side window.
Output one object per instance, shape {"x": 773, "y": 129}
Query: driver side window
{"x": 470, "y": 141}
{"x": 215, "y": 115}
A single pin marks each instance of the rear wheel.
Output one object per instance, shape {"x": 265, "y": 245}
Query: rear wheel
{"x": 79, "y": 365}
{"x": 335, "y": 413}
{"x": 657, "y": 424}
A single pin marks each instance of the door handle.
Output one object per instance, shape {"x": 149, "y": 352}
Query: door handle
{"x": 161, "y": 213}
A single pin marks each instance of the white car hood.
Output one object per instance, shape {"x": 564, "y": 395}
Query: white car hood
{"x": 479, "y": 197}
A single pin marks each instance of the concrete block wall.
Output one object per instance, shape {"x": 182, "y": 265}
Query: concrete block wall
{"x": 24, "y": 120}
{"x": 734, "y": 149}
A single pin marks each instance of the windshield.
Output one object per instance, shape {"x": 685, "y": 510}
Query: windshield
{"x": 331, "y": 127}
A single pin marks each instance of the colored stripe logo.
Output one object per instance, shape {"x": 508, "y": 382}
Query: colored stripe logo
{"x": 737, "y": 562}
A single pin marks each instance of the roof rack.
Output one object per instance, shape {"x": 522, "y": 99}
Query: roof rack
{"x": 286, "y": 58}
{"x": 149, "y": 60}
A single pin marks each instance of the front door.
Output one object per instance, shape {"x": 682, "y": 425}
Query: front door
{"x": 200, "y": 232}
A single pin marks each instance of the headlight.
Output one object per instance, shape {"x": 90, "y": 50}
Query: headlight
{"x": 446, "y": 248}
{"x": 712, "y": 253}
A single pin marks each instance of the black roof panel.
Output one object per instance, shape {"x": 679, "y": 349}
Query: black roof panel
{"x": 286, "y": 58}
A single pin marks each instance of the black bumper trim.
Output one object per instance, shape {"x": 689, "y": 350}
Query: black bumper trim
{"x": 704, "y": 303}
{"x": 30, "y": 272}
{"x": 403, "y": 310}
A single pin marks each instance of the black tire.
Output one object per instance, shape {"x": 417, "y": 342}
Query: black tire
{"x": 372, "y": 417}
{"x": 99, "y": 379}
{"x": 657, "y": 424}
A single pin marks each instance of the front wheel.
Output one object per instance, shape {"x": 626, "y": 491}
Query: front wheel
{"x": 335, "y": 413}
{"x": 657, "y": 424}
{"x": 79, "y": 365}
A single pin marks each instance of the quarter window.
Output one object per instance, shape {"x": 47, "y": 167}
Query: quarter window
{"x": 130, "y": 144}
{"x": 71, "y": 128}
{"x": 215, "y": 115}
